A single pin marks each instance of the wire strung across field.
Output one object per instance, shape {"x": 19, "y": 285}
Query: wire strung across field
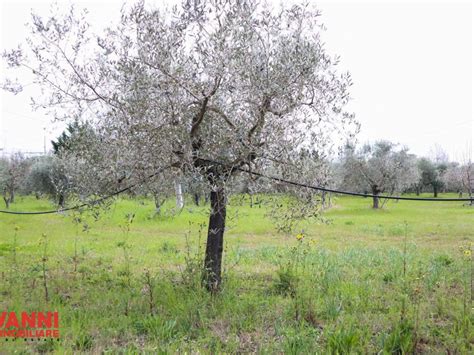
{"x": 274, "y": 178}
{"x": 91, "y": 203}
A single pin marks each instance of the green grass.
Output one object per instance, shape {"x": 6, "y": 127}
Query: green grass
{"x": 341, "y": 290}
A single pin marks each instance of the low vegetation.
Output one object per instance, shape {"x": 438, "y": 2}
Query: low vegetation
{"x": 394, "y": 280}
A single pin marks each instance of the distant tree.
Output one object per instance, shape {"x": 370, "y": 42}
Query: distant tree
{"x": 47, "y": 176}
{"x": 459, "y": 177}
{"x": 197, "y": 188}
{"x": 452, "y": 178}
{"x": 13, "y": 171}
{"x": 438, "y": 155}
{"x": 70, "y": 142}
{"x": 73, "y": 137}
{"x": 467, "y": 174}
{"x": 160, "y": 187}
{"x": 377, "y": 168}
{"x": 432, "y": 174}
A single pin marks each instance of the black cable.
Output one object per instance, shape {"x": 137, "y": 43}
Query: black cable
{"x": 342, "y": 192}
{"x": 95, "y": 202}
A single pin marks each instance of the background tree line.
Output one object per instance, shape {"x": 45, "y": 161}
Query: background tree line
{"x": 379, "y": 168}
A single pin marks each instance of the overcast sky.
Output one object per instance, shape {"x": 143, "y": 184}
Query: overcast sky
{"x": 411, "y": 64}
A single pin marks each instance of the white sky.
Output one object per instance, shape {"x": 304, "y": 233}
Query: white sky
{"x": 411, "y": 63}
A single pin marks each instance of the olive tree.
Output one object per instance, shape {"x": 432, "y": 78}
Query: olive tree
{"x": 432, "y": 174}
{"x": 205, "y": 87}
{"x": 47, "y": 176}
{"x": 467, "y": 174}
{"x": 452, "y": 178}
{"x": 13, "y": 171}
{"x": 379, "y": 167}
{"x": 460, "y": 178}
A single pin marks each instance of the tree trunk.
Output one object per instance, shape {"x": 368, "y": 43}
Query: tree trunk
{"x": 158, "y": 204}
{"x": 435, "y": 190}
{"x": 179, "y": 195}
{"x": 6, "y": 198}
{"x": 375, "y": 192}
{"x": 61, "y": 200}
{"x": 7, "y": 202}
{"x": 215, "y": 240}
{"x": 197, "y": 197}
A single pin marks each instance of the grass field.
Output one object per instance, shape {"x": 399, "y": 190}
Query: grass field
{"x": 396, "y": 280}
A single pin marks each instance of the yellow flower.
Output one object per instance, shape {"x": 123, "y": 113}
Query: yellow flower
{"x": 299, "y": 236}
{"x": 467, "y": 252}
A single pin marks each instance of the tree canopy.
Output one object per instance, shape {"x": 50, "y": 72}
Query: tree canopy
{"x": 239, "y": 83}
{"x": 379, "y": 167}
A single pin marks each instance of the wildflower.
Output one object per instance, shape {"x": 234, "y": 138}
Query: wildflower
{"x": 299, "y": 236}
{"x": 467, "y": 252}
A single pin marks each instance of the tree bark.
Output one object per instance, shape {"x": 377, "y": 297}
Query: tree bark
{"x": 179, "y": 195}
{"x": 158, "y": 203}
{"x": 435, "y": 190}
{"x": 375, "y": 198}
{"x": 6, "y": 198}
{"x": 197, "y": 197}
{"x": 215, "y": 240}
{"x": 61, "y": 200}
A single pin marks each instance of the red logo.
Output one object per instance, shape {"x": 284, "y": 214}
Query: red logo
{"x": 29, "y": 325}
